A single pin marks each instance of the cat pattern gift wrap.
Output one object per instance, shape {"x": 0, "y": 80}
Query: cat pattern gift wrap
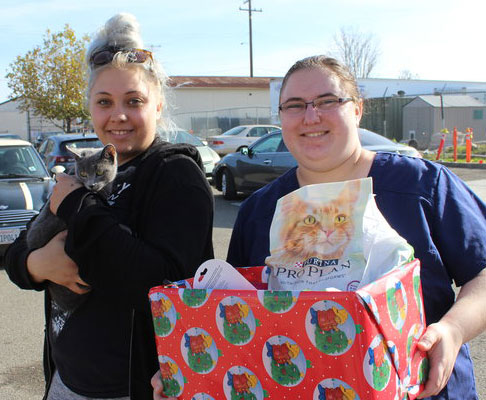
{"x": 332, "y": 236}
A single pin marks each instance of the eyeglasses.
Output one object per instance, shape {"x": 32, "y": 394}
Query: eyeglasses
{"x": 106, "y": 55}
{"x": 321, "y": 104}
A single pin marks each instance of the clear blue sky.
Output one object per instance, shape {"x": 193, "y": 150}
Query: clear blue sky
{"x": 434, "y": 39}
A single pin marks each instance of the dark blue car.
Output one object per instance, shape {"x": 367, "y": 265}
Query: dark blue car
{"x": 53, "y": 150}
{"x": 253, "y": 167}
{"x": 265, "y": 160}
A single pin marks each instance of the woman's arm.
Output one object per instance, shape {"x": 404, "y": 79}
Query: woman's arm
{"x": 464, "y": 321}
{"x": 16, "y": 264}
{"x": 31, "y": 269}
{"x": 53, "y": 264}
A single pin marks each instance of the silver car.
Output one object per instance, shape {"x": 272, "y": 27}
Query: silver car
{"x": 208, "y": 155}
{"x": 239, "y": 136}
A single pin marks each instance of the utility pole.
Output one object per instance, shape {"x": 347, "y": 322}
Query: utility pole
{"x": 249, "y": 9}
{"x": 29, "y": 128}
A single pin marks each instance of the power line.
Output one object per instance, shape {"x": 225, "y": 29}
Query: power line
{"x": 249, "y": 9}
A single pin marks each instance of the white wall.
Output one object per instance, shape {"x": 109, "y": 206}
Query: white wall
{"x": 207, "y": 103}
{"x": 211, "y": 99}
{"x": 12, "y": 120}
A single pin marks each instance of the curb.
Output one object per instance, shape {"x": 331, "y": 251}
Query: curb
{"x": 461, "y": 165}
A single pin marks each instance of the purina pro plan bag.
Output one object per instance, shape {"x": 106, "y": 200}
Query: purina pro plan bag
{"x": 332, "y": 236}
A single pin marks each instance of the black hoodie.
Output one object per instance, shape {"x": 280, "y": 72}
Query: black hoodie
{"x": 162, "y": 230}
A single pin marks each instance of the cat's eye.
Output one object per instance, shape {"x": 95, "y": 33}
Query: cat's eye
{"x": 309, "y": 220}
{"x": 83, "y": 174}
{"x": 340, "y": 218}
{"x": 99, "y": 172}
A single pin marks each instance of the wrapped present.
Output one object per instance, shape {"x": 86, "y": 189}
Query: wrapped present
{"x": 256, "y": 344}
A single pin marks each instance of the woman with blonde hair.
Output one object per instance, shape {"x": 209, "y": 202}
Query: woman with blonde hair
{"x": 156, "y": 225}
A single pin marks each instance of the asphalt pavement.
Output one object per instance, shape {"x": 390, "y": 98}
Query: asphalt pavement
{"x": 22, "y": 327}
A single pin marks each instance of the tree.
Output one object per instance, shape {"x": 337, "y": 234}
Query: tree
{"x": 50, "y": 80}
{"x": 357, "y": 50}
{"x": 407, "y": 75}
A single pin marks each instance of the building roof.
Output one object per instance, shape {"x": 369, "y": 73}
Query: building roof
{"x": 220, "y": 82}
{"x": 452, "y": 101}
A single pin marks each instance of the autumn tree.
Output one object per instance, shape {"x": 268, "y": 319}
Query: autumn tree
{"x": 406, "y": 74}
{"x": 50, "y": 80}
{"x": 357, "y": 50}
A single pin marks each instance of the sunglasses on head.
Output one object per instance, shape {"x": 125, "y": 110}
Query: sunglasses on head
{"x": 106, "y": 55}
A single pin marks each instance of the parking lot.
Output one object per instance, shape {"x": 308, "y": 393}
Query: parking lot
{"x": 22, "y": 326}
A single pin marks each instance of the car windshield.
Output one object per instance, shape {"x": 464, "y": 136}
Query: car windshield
{"x": 180, "y": 136}
{"x": 21, "y": 161}
{"x": 186, "y": 137}
{"x": 234, "y": 131}
{"x": 268, "y": 145}
{"x": 369, "y": 138}
{"x": 82, "y": 144}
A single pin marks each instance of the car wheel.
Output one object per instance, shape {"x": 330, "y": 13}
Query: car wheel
{"x": 228, "y": 185}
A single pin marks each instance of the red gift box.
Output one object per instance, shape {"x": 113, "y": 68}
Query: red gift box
{"x": 257, "y": 344}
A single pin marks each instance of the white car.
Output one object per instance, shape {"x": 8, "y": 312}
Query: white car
{"x": 239, "y": 136}
{"x": 208, "y": 155}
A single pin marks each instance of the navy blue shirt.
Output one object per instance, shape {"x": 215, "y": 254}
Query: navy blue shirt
{"x": 426, "y": 204}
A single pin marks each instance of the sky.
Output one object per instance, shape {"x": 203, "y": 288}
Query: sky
{"x": 433, "y": 39}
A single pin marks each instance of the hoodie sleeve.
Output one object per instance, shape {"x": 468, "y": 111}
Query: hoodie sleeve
{"x": 16, "y": 264}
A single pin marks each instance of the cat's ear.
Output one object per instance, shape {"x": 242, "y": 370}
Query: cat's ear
{"x": 109, "y": 152}
{"x": 74, "y": 152}
{"x": 351, "y": 191}
{"x": 291, "y": 203}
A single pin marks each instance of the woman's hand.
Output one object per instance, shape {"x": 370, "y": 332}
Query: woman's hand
{"x": 65, "y": 185}
{"x": 156, "y": 383}
{"x": 52, "y": 263}
{"x": 442, "y": 342}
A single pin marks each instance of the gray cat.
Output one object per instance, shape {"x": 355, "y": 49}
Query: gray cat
{"x": 96, "y": 170}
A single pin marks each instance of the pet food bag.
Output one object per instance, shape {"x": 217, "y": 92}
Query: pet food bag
{"x": 238, "y": 344}
{"x": 332, "y": 235}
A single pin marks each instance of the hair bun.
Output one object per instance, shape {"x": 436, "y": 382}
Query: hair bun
{"x": 121, "y": 30}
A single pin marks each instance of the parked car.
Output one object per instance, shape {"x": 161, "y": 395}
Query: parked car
{"x": 208, "y": 155}
{"x": 268, "y": 158}
{"x": 375, "y": 142}
{"x": 53, "y": 150}
{"x": 24, "y": 186}
{"x": 9, "y": 136}
{"x": 41, "y": 136}
{"x": 238, "y": 137}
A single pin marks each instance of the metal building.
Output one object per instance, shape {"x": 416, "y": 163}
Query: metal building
{"x": 425, "y": 116}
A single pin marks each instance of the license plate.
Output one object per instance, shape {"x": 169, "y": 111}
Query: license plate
{"x": 7, "y": 236}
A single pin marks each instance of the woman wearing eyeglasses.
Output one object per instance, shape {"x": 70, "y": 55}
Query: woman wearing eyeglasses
{"x": 320, "y": 111}
{"x": 156, "y": 225}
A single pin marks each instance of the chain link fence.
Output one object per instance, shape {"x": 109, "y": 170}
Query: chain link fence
{"x": 421, "y": 119}
{"x": 210, "y": 123}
